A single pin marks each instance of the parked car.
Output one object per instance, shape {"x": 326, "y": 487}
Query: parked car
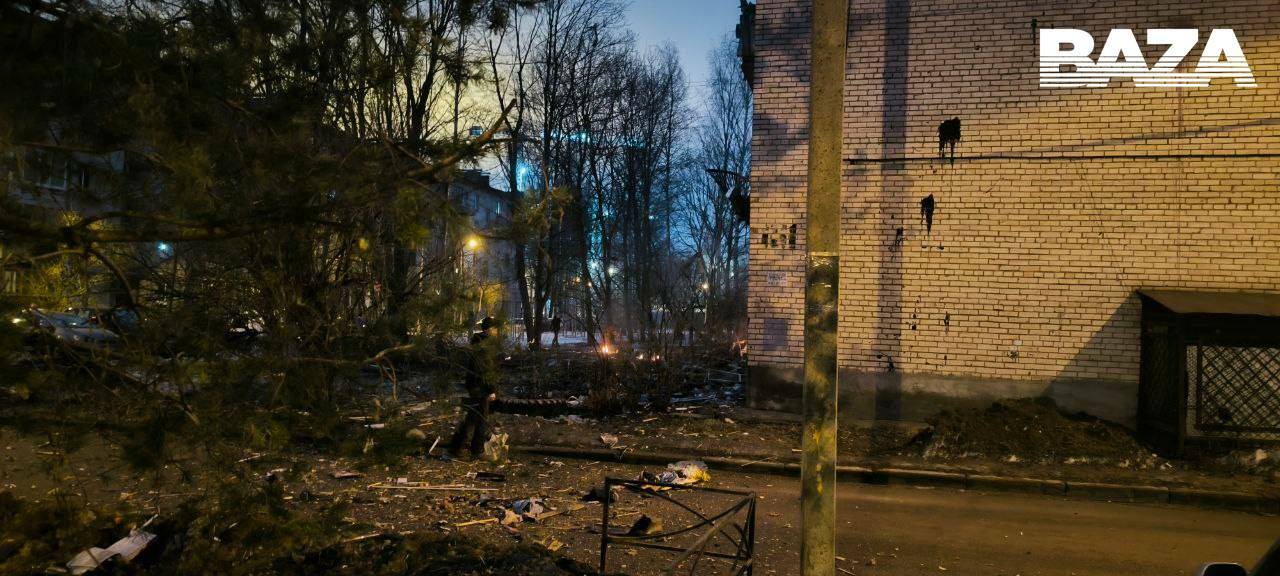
{"x": 1268, "y": 566}
{"x": 119, "y": 320}
{"x": 72, "y": 329}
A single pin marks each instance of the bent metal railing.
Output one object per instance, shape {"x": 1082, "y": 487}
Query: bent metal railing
{"x": 736, "y": 524}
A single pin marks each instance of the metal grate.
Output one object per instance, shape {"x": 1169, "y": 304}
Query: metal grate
{"x": 1159, "y": 402}
{"x": 1236, "y": 388}
{"x": 719, "y": 541}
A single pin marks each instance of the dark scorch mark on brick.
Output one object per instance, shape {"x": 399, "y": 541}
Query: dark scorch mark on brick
{"x": 948, "y": 135}
{"x": 926, "y": 213}
{"x": 882, "y": 356}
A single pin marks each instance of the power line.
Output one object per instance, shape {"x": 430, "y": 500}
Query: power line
{"x": 1033, "y": 158}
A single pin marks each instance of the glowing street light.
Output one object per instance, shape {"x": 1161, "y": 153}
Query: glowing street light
{"x": 473, "y": 243}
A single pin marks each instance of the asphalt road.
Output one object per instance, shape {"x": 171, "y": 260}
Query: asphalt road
{"x": 942, "y": 531}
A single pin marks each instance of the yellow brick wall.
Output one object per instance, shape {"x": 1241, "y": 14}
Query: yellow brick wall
{"x": 1030, "y": 268}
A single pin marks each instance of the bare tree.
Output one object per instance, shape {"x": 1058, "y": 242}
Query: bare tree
{"x": 717, "y": 235}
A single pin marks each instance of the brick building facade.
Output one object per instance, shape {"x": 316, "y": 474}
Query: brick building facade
{"x": 1012, "y": 270}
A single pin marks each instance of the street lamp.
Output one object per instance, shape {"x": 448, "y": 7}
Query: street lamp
{"x": 473, "y": 245}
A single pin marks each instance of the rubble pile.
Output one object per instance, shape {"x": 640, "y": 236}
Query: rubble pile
{"x": 1255, "y": 461}
{"x": 1031, "y": 430}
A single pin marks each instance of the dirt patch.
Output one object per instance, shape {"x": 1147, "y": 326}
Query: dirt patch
{"x": 1032, "y": 431}
{"x": 720, "y": 433}
{"x": 449, "y": 554}
{"x": 302, "y": 512}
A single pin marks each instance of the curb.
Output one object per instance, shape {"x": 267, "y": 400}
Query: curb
{"x": 1097, "y": 491}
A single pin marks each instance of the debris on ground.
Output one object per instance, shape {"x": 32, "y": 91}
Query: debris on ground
{"x": 496, "y": 448}
{"x": 683, "y": 473}
{"x": 509, "y": 518}
{"x": 543, "y": 517}
{"x": 386, "y": 554}
{"x": 125, "y": 549}
{"x": 609, "y": 440}
{"x": 345, "y": 475}
{"x": 691, "y": 471}
{"x": 550, "y": 543}
{"x": 402, "y": 484}
{"x": 475, "y": 522}
{"x": 1032, "y": 430}
{"x": 1255, "y": 461}
{"x": 667, "y": 477}
{"x": 598, "y": 494}
{"x": 645, "y": 526}
{"x": 529, "y": 507}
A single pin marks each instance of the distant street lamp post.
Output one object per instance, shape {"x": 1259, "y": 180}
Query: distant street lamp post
{"x": 473, "y": 249}
{"x": 165, "y": 250}
{"x": 822, "y": 303}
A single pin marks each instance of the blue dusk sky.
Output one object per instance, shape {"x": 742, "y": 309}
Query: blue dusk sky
{"x": 693, "y": 26}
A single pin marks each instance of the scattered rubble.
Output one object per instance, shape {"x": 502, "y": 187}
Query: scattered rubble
{"x": 402, "y": 484}
{"x": 1254, "y": 461}
{"x": 496, "y": 448}
{"x": 683, "y": 473}
{"x": 1033, "y": 431}
{"x": 691, "y": 471}
{"x": 529, "y": 507}
{"x": 124, "y": 550}
{"x": 597, "y": 494}
{"x": 645, "y": 526}
{"x": 488, "y": 476}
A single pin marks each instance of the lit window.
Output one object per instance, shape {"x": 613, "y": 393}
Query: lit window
{"x": 47, "y": 171}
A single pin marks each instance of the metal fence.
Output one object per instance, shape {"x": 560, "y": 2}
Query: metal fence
{"x": 734, "y": 525}
{"x": 1208, "y": 379}
{"x": 1236, "y": 388}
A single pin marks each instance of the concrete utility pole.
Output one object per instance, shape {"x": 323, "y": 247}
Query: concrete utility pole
{"x": 826, "y": 119}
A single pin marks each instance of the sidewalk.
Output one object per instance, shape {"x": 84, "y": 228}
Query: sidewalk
{"x": 890, "y": 453}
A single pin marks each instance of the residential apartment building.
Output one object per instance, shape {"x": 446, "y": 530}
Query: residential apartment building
{"x": 1011, "y": 266}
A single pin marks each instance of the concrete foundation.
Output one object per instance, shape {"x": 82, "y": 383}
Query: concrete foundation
{"x": 916, "y": 397}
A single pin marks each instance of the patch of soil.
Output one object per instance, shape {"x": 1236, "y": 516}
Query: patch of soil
{"x": 421, "y": 554}
{"x": 289, "y": 501}
{"x": 1032, "y": 431}
{"x": 723, "y": 434}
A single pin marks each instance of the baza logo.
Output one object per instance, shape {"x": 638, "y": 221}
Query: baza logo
{"x": 1121, "y": 57}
